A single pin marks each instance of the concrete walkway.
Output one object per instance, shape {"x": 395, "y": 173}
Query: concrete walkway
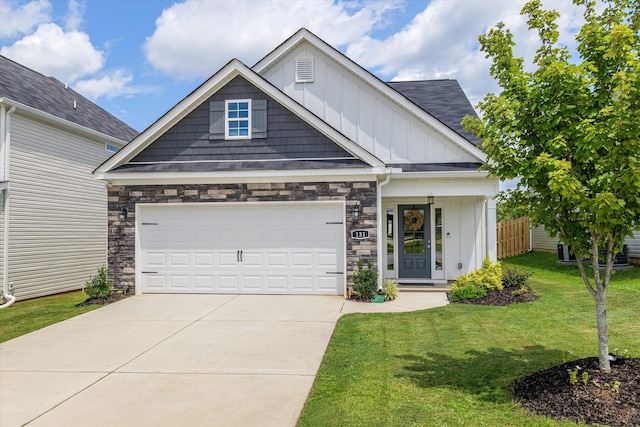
{"x": 178, "y": 360}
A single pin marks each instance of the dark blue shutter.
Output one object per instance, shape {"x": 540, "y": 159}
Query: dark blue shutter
{"x": 259, "y": 118}
{"x": 216, "y": 120}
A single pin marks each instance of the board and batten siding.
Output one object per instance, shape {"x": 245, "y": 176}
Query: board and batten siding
{"x": 58, "y": 211}
{"x": 361, "y": 112}
{"x": 542, "y": 241}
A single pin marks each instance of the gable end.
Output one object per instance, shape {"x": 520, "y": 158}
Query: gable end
{"x": 277, "y": 135}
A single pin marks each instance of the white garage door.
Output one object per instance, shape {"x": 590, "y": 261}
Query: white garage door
{"x": 254, "y": 248}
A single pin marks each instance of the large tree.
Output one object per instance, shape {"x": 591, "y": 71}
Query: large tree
{"x": 569, "y": 129}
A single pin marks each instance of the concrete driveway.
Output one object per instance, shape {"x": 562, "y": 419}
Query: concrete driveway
{"x": 173, "y": 360}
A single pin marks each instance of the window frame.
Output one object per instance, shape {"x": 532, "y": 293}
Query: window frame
{"x": 228, "y": 120}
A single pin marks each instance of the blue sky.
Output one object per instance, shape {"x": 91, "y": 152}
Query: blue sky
{"x": 138, "y": 58}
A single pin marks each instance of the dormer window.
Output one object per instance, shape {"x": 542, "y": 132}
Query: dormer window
{"x": 238, "y": 119}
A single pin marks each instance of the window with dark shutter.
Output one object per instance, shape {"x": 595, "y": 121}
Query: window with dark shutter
{"x": 216, "y": 120}
{"x": 223, "y": 127}
{"x": 259, "y": 118}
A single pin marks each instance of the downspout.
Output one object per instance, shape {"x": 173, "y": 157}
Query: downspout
{"x": 381, "y": 221}
{"x": 5, "y": 140}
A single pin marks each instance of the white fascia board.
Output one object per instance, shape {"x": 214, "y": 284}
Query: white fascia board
{"x": 441, "y": 175}
{"x": 62, "y": 122}
{"x": 210, "y": 87}
{"x": 316, "y": 175}
{"x": 173, "y": 116}
{"x": 459, "y": 186}
{"x": 305, "y": 35}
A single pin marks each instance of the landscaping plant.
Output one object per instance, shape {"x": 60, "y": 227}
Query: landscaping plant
{"x": 98, "y": 286}
{"x": 475, "y": 284}
{"x": 569, "y": 130}
{"x": 389, "y": 289}
{"x": 365, "y": 280}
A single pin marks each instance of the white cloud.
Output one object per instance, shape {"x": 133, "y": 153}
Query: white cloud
{"x": 196, "y": 38}
{"x": 66, "y": 56}
{"x": 18, "y": 20}
{"x": 75, "y": 17}
{"x": 442, "y": 42}
{"x": 109, "y": 85}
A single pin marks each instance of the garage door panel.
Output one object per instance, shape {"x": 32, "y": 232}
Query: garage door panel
{"x": 328, "y": 283}
{"x": 204, "y": 282}
{"x": 179, "y": 259}
{"x": 301, "y": 283}
{"x": 154, "y": 282}
{"x": 252, "y": 283}
{"x": 252, "y": 259}
{"x": 228, "y": 282}
{"x": 227, "y": 259}
{"x": 155, "y": 259}
{"x": 302, "y": 260}
{"x": 287, "y": 248}
{"x": 327, "y": 259}
{"x": 277, "y": 283}
{"x": 277, "y": 259}
{"x": 179, "y": 281}
{"x": 203, "y": 259}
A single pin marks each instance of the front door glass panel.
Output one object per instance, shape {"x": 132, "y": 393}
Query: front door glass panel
{"x": 414, "y": 241}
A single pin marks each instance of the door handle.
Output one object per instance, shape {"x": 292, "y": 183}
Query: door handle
{"x": 241, "y": 260}
{"x": 238, "y": 256}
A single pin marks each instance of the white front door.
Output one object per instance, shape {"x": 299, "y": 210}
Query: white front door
{"x": 255, "y": 248}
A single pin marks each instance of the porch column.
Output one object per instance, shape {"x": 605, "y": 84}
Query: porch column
{"x": 492, "y": 252}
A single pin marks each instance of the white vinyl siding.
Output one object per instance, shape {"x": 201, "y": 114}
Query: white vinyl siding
{"x": 542, "y": 241}
{"x": 58, "y": 229}
{"x": 362, "y": 113}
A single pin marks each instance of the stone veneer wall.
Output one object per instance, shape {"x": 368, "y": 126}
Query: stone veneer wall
{"x": 121, "y": 253}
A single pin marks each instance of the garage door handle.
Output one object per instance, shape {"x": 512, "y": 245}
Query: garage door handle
{"x": 334, "y": 272}
{"x": 239, "y": 256}
{"x": 149, "y": 272}
{"x": 241, "y": 260}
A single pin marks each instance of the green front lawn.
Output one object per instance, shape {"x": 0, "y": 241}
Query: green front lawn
{"x": 452, "y": 366}
{"x": 27, "y": 316}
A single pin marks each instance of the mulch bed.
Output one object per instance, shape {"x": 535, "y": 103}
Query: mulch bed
{"x": 549, "y": 393}
{"x": 100, "y": 301}
{"x": 501, "y": 298}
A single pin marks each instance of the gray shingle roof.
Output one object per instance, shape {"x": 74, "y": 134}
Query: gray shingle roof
{"x": 21, "y": 84}
{"x": 443, "y": 99}
{"x": 243, "y": 166}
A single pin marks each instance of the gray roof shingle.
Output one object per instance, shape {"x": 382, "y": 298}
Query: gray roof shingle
{"x": 21, "y": 84}
{"x": 443, "y": 99}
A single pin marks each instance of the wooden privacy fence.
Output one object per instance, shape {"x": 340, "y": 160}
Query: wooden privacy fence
{"x": 513, "y": 237}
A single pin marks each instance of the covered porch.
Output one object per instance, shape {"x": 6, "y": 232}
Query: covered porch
{"x": 432, "y": 229}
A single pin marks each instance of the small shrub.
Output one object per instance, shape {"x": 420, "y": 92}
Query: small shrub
{"x": 365, "y": 280}
{"x": 467, "y": 292}
{"x": 490, "y": 275}
{"x": 514, "y": 277}
{"x": 98, "y": 286}
{"x": 389, "y": 290}
{"x": 521, "y": 290}
{"x": 475, "y": 284}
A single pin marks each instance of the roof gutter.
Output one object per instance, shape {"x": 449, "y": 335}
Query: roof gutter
{"x": 5, "y": 140}
{"x": 379, "y": 238}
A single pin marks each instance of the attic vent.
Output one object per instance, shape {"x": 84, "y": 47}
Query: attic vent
{"x": 304, "y": 70}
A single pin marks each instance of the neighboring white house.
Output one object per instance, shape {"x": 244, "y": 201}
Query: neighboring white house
{"x": 53, "y": 213}
{"x": 279, "y": 178}
{"x": 543, "y": 242}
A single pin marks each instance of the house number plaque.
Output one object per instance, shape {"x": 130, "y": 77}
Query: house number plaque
{"x": 360, "y": 234}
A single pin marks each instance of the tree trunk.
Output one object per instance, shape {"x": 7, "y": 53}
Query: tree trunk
{"x": 603, "y": 337}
